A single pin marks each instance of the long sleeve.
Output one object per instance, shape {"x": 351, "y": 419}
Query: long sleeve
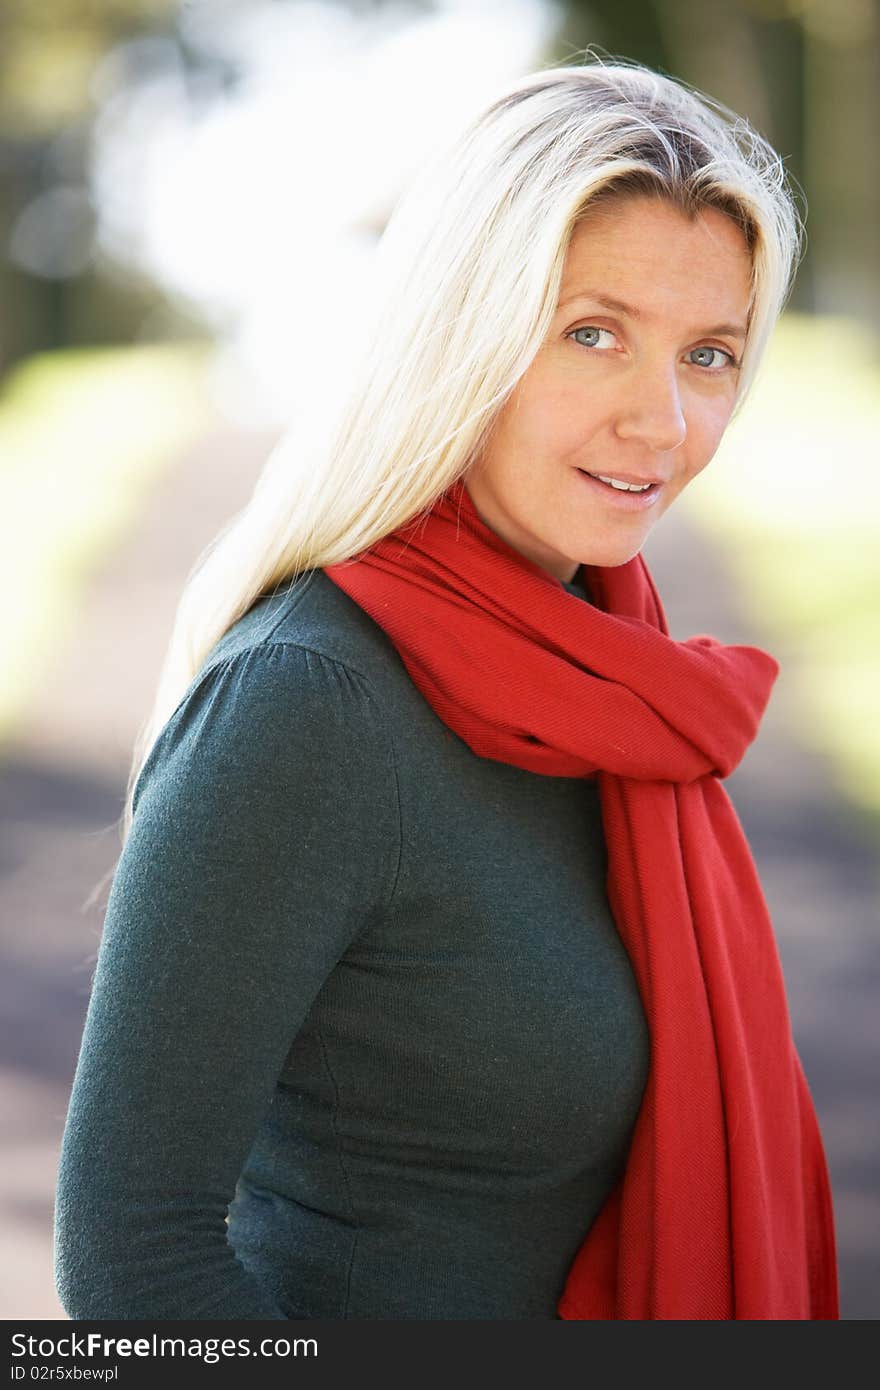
{"x": 265, "y": 840}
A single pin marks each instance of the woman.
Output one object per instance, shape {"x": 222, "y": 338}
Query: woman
{"x": 436, "y": 979}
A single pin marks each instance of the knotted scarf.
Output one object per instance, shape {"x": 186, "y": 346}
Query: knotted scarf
{"x": 723, "y": 1209}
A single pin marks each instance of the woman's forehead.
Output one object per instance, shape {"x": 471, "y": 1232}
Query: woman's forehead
{"x": 645, "y": 257}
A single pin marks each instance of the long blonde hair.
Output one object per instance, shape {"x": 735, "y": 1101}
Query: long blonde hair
{"x": 467, "y": 276}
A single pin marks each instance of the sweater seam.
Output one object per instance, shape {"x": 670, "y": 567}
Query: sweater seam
{"x": 340, "y": 1156}
{"x": 394, "y": 768}
{"x": 269, "y": 641}
{"x": 374, "y": 699}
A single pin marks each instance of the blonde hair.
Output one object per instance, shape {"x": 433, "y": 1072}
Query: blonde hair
{"x": 467, "y": 277}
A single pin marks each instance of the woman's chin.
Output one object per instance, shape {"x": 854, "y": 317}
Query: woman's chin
{"x": 609, "y": 557}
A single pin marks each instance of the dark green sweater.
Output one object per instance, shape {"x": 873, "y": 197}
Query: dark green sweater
{"x": 357, "y": 987}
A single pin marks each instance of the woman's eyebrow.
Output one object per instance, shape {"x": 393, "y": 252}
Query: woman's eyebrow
{"x": 617, "y": 306}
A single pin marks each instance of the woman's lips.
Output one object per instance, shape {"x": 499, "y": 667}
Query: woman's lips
{"x": 629, "y": 501}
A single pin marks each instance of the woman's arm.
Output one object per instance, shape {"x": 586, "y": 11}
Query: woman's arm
{"x": 265, "y": 835}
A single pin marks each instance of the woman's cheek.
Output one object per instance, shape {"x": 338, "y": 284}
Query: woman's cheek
{"x": 568, "y": 419}
{"x": 718, "y": 416}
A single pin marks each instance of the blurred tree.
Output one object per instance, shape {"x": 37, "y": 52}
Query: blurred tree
{"x": 49, "y": 291}
{"x": 52, "y": 292}
{"x": 48, "y": 54}
{"x": 841, "y": 114}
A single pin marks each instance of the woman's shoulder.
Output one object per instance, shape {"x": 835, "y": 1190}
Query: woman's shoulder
{"x": 313, "y": 615}
{"x": 290, "y": 684}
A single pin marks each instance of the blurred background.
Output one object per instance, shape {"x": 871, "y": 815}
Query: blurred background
{"x": 190, "y": 194}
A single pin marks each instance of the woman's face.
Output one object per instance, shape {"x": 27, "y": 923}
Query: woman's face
{"x": 636, "y": 381}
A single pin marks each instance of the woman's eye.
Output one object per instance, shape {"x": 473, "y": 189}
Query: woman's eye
{"x": 592, "y": 334}
{"x": 703, "y": 357}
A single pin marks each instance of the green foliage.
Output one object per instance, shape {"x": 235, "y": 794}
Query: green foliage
{"x": 48, "y": 53}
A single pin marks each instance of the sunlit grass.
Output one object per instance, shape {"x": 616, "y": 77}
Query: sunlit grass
{"x": 84, "y": 434}
{"x": 793, "y": 497}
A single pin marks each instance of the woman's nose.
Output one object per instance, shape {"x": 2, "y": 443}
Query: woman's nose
{"x": 651, "y": 410}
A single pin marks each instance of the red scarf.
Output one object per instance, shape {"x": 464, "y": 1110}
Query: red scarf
{"x": 724, "y": 1209}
